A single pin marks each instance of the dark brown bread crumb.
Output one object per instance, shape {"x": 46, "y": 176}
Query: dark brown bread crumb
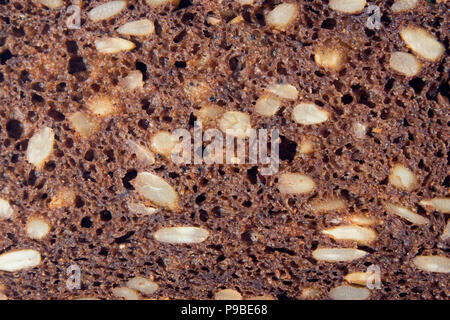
{"x": 261, "y": 241}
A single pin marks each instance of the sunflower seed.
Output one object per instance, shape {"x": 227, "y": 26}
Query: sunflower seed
{"x": 345, "y": 292}
{"x": 40, "y": 147}
{"x": 406, "y": 214}
{"x": 6, "y": 211}
{"x": 156, "y": 189}
{"x": 338, "y": 254}
{"x": 143, "y": 285}
{"x": 107, "y": 10}
{"x": 295, "y": 183}
{"x": 179, "y": 235}
{"x": 439, "y": 204}
{"x": 422, "y": 42}
{"x": 228, "y": 294}
{"x": 439, "y": 264}
{"x": 347, "y": 6}
{"x": 20, "y": 259}
{"x": 351, "y": 232}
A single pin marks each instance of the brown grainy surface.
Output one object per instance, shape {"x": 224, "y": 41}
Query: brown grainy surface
{"x": 261, "y": 241}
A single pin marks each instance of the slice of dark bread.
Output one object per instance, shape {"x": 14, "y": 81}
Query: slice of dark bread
{"x": 88, "y": 187}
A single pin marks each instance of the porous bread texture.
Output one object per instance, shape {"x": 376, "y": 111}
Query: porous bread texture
{"x": 245, "y": 234}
